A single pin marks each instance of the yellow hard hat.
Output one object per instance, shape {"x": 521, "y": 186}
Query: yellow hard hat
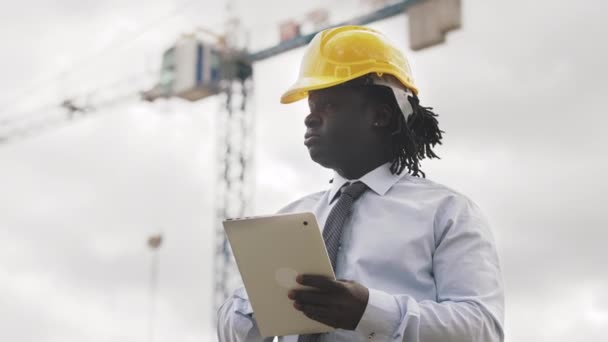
{"x": 340, "y": 54}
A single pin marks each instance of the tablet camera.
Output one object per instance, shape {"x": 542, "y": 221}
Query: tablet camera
{"x": 305, "y": 223}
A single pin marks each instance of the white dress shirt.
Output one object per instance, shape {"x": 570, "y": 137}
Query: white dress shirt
{"x": 424, "y": 251}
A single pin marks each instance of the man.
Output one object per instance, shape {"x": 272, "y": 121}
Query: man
{"x": 416, "y": 260}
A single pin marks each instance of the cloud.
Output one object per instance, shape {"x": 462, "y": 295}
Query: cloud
{"x": 519, "y": 92}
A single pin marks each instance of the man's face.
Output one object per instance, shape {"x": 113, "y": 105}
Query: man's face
{"x": 338, "y": 127}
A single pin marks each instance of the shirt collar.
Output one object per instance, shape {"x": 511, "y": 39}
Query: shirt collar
{"x": 380, "y": 180}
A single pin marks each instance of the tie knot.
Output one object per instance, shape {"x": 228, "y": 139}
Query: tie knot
{"x": 354, "y": 190}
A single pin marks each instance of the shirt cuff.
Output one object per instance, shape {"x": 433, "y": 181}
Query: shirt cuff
{"x": 381, "y": 316}
{"x": 241, "y": 302}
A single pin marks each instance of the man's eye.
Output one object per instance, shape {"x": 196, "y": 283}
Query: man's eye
{"x": 322, "y": 107}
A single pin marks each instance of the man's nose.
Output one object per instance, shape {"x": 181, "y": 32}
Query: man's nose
{"x": 312, "y": 120}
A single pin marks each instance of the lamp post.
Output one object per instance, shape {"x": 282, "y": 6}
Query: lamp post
{"x": 154, "y": 243}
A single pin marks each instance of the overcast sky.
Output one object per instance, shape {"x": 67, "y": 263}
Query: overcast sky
{"x": 520, "y": 91}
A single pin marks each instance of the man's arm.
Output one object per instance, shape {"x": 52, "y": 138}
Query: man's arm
{"x": 470, "y": 302}
{"x": 235, "y": 321}
{"x": 470, "y": 299}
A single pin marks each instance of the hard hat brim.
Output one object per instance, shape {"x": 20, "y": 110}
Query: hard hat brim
{"x": 300, "y": 89}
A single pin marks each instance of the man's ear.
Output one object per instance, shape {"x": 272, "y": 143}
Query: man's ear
{"x": 382, "y": 116}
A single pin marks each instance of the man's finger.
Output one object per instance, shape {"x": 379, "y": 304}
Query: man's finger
{"x": 322, "y": 319}
{"x": 311, "y": 297}
{"x": 319, "y": 281}
{"x": 317, "y": 313}
{"x": 313, "y": 308}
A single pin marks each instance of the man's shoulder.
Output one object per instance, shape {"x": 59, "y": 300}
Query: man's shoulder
{"x": 444, "y": 196}
{"x": 426, "y": 184}
{"x": 305, "y": 203}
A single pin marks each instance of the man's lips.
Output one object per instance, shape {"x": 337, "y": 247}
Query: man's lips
{"x": 311, "y": 138}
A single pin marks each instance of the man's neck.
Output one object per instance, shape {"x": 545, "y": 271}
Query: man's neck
{"x": 358, "y": 171}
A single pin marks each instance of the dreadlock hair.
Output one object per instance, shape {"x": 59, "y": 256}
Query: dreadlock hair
{"x": 413, "y": 139}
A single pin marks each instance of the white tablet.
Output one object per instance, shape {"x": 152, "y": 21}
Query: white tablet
{"x": 270, "y": 251}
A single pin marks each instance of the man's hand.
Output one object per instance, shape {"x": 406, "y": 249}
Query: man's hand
{"x": 337, "y": 303}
